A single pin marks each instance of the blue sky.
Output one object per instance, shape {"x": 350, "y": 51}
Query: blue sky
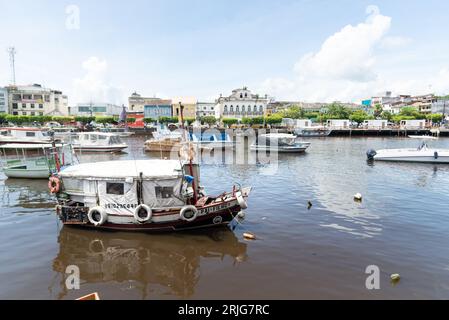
{"x": 297, "y": 50}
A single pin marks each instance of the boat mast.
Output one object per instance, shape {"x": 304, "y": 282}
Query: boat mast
{"x": 181, "y": 107}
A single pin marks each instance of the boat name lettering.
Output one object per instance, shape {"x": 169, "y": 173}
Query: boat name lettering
{"x": 120, "y": 206}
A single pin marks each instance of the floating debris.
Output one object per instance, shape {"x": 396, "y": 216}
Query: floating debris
{"x": 309, "y": 205}
{"x": 358, "y": 197}
{"x": 249, "y": 236}
{"x": 395, "y": 278}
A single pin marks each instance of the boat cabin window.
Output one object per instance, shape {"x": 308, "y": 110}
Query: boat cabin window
{"x": 93, "y": 137}
{"x": 164, "y": 192}
{"x": 4, "y": 133}
{"x": 115, "y": 140}
{"x": 30, "y": 134}
{"x": 102, "y": 137}
{"x": 115, "y": 188}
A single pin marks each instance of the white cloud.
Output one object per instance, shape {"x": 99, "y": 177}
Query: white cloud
{"x": 346, "y": 67}
{"x": 94, "y": 86}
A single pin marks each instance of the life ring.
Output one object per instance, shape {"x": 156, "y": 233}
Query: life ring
{"x": 97, "y": 216}
{"x": 146, "y": 211}
{"x": 54, "y": 184}
{"x": 241, "y": 200}
{"x": 188, "y": 213}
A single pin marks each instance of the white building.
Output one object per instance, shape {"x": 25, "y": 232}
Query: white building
{"x": 375, "y": 124}
{"x": 441, "y": 106}
{"x": 297, "y": 123}
{"x": 413, "y": 124}
{"x": 96, "y": 109}
{"x": 3, "y": 100}
{"x": 35, "y": 100}
{"x": 241, "y": 103}
{"x": 339, "y": 123}
{"x": 205, "y": 109}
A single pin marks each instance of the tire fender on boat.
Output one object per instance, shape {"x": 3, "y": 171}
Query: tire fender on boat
{"x": 241, "y": 200}
{"x": 101, "y": 212}
{"x": 148, "y": 213}
{"x": 187, "y": 209}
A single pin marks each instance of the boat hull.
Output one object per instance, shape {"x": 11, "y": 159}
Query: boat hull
{"x": 281, "y": 149}
{"x": 26, "y": 174}
{"x": 99, "y": 149}
{"x": 413, "y": 155}
{"x": 423, "y": 159}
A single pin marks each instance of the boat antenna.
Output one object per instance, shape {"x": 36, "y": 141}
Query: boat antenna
{"x": 181, "y": 108}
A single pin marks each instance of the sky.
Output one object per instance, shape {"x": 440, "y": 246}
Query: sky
{"x": 315, "y": 51}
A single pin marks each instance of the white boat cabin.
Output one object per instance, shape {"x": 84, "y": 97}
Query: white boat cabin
{"x": 98, "y": 139}
{"x": 31, "y": 135}
{"x": 297, "y": 123}
{"x": 120, "y": 186}
{"x": 338, "y": 123}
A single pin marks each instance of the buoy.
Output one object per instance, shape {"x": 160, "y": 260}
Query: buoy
{"x": 309, "y": 205}
{"x": 395, "y": 277}
{"x": 358, "y": 197}
{"x": 249, "y": 236}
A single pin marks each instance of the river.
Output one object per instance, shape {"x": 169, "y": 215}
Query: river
{"x": 322, "y": 252}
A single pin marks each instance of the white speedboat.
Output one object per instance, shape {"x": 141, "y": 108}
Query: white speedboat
{"x": 33, "y": 161}
{"x": 279, "y": 142}
{"x": 211, "y": 140}
{"x": 316, "y": 131}
{"x": 98, "y": 142}
{"x": 421, "y": 154}
{"x": 24, "y": 135}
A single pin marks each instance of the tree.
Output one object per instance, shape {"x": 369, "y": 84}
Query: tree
{"x": 60, "y": 119}
{"x": 293, "y": 112}
{"x": 130, "y": 120}
{"x": 273, "y": 119}
{"x": 84, "y": 119}
{"x": 168, "y": 119}
{"x": 3, "y": 118}
{"x": 435, "y": 117}
{"x": 378, "y": 110}
{"x": 210, "y": 120}
{"x": 338, "y": 111}
{"x": 149, "y": 120}
{"x": 229, "y": 121}
{"x": 104, "y": 119}
{"x": 359, "y": 116}
{"x": 386, "y": 115}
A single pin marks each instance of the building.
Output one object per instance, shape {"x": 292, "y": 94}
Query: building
{"x": 205, "y": 109}
{"x": 338, "y": 123}
{"x": 413, "y": 124}
{"x": 137, "y": 103}
{"x": 96, "y": 109}
{"x": 189, "y": 104}
{"x": 3, "y": 100}
{"x": 241, "y": 103}
{"x": 440, "y": 106}
{"x": 155, "y": 108}
{"x": 35, "y": 100}
{"x": 375, "y": 124}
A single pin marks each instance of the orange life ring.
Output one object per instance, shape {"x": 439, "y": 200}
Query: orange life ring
{"x": 54, "y": 184}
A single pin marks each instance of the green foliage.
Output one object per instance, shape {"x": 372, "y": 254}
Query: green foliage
{"x": 60, "y": 119}
{"x": 130, "y": 120}
{"x": 3, "y": 117}
{"x": 210, "y": 120}
{"x": 104, "y": 119}
{"x": 252, "y": 121}
{"x": 189, "y": 120}
{"x": 435, "y": 117}
{"x": 84, "y": 119}
{"x": 311, "y": 115}
{"x": 229, "y": 121}
{"x": 168, "y": 119}
{"x": 398, "y": 118}
{"x": 359, "y": 116}
{"x": 378, "y": 110}
{"x": 387, "y": 115}
{"x": 409, "y": 112}
{"x": 273, "y": 119}
{"x": 338, "y": 111}
{"x": 294, "y": 112}
{"x": 149, "y": 120}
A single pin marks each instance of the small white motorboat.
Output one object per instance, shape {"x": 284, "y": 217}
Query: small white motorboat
{"x": 98, "y": 142}
{"x": 421, "y": 154}
{"x": 33, "y": 161}
{"x": 24, "y": 135}
{"x": 279, "y": 142}
{"x": 316, "y": 131}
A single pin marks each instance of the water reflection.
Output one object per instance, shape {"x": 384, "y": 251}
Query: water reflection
{"x": 26, "y": 193}
{"x": 169, "y": 260}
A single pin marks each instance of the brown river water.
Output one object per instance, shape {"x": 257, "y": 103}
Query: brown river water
{"x": 402, "y": 226}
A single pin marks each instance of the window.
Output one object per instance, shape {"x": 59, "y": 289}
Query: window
{"x": 237, "y": 109}
{"x": 33, "y": 113}
{"x": 246, "y": 95}
{"x": 24, "y": 113}
{"x": 243, "y": 108}
{"x": 83, "y": 109}
{"x": 32, "y": 106}
{"x": 261, "y": 109}
{"x": 27, "y": 97}
{"x": 241, "y": 96}
{"x": 15, "y": 106}
{"x": 164, "y": 192}
{"x": 41, "y": 106}
{"x": 41, "y": 113}
{"x": 115, "y": 188}
{"x": 255, "y": 108}
{"x": 93, "y": 137}
{"x": 24, "y": 105}
{"x": 47, "y": 98}
{"x": 30, "y": 134}
{"x": 15, "y": 113}
{"x": 37, "y": 97}
{"x": 232, "y": 108}
{"x": 99, "y": 109}
{"x": 16, "y": 97}
{"x": 225, "y": 108}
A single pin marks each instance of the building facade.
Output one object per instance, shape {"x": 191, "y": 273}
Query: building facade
{"x": 96, "y": 109}
{"x": 440, "y": 106}
{"x": 156, "y": 108}
{"x": 205, "y": 109}
{"x": 137, "y": 103}
{"x": 3, "y": 100}
{"x": 241, "y": 103}
{"x": 189, "y": 104}
{"x": 35, "y": 100}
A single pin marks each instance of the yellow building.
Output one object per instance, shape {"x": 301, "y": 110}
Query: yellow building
{"x": 189, "y": 104}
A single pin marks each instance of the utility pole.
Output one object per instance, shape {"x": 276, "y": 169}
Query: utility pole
{"x": 12, "y": 56}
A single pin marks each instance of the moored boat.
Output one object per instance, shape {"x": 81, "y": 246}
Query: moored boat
{"x": 24, "y": 135}
{"x": 316, "y": 131}
{"x": 98, "y": 142}
{"x": 279, "y": 142}
{"x": 422, "y": 154}
{"x": 143, "y": 195}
